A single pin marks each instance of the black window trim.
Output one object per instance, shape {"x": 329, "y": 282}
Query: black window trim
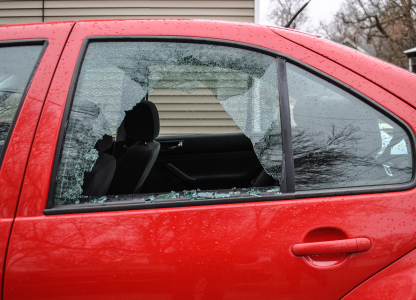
{"x": 288, "y": 190}
{"x": 13, "y": 43}
{"x": 288, "y": 174}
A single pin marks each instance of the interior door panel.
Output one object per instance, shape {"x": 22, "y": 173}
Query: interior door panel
{"x": 203, "y": 162}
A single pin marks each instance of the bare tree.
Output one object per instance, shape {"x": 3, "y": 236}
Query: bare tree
{"x": 388, "y": 25}
{"x": 283, "y": 10}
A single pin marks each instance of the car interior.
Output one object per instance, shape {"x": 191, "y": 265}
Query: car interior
{"x": 147, "y": 163}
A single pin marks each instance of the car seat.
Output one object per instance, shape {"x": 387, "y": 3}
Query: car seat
{"x": 141, "y": 126}
{"x": 97, "y": 181}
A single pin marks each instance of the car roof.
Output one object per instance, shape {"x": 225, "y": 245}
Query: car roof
{"x": 399, "y": 81}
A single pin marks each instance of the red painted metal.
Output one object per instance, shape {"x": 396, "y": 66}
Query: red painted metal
{"x": 219, "y": 251}
{"x": 397, "y": 281}
{"x": 17, "y": 153}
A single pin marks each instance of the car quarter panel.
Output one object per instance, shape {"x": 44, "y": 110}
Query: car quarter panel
{"x": 397, "y": 281}
{"x": 234, "y": 250}
{"x": 17, "y": 152}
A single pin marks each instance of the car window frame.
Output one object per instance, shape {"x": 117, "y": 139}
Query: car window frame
{"x": 25, "y": 42}
{"x": 287, "y": 186}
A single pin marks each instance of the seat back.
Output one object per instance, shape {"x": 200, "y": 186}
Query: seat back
{"x": 97, "y": 181}
{"x": 141, "y": 126}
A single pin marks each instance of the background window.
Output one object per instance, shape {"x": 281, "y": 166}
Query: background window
{"x": 340, "y": 141}
{"x": 16, "y": 67}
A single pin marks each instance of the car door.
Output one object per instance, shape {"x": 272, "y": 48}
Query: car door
{"x": 320, "y": 229}
{"x": 28, "y": 58}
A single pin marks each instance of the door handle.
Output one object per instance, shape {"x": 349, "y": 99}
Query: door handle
{"x": 180, "y": 174}
{"x": 170, "y": 146}
{"x": 329, "y": 247}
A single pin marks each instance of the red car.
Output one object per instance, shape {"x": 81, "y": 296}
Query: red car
{"x": 177, "y": 159}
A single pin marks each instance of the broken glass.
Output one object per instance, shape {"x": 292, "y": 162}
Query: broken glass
{"x": 257, "y": 114}
{"x": 220, "y": 195}
{"x": 115, "y": 76}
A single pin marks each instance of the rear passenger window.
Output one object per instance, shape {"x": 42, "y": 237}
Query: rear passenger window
{"x": 340, "y": 141}
{"x": 181, "y": 121}
{"x": 17, "y": 64}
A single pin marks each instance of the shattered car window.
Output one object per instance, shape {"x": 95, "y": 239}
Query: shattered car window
{"x": 340, "y": 141}
{"x": 115, "y": 76}
{"x": 16, "y": 66}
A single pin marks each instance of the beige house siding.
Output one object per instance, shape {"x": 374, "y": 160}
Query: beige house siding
{"x": 180, "y": 113}
{"x": 187, "y": 114}
{"x": 13, "y": 12}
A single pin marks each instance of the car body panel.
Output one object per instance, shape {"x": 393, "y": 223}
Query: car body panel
{"x": 229, "y": 251}
{"x": 17, "y": 152}
{"x": 236, "y": 250}
{"x": 397, "y": 281}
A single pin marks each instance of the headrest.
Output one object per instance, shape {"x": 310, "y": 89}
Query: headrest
{"x": 103, "y": 144}
{"x": 142, "y": 122}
